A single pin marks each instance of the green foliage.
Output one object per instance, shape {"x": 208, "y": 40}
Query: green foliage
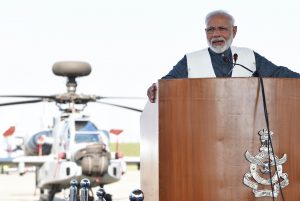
{"x": 127, "y": 149}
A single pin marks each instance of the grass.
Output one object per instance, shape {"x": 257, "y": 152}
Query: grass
{"x": 127, "y": 149}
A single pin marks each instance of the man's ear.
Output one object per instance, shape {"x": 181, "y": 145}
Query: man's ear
{"x": 234, "y": 30}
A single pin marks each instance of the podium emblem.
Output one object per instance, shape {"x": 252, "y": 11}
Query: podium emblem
{"x": 263, "y": 170}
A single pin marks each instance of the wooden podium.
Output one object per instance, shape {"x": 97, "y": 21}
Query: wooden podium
{"x": 195, "y": 137}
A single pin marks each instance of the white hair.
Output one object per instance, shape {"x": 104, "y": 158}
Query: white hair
{"x": 219, "y": 12}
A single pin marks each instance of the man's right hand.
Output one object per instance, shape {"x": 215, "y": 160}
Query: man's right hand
{"x": 151, "y": 93}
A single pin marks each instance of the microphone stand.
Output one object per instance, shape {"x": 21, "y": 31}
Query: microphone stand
{"x": 270, "y": 144}
{"x": 226, "y": 60}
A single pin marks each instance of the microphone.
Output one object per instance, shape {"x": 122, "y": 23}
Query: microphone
{"x": 235, "y": 57}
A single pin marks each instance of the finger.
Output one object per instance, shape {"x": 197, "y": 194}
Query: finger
{"x": 153, "y": 87}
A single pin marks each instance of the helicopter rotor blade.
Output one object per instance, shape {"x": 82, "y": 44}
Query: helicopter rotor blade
{"x": 21, "y": 102}
{"x": 67, "y": 98}
{"x": 121, "y": 106}
{"x": 27, "y": 96}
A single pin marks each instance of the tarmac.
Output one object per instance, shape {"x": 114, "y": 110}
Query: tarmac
{"x": 22, "y": 188}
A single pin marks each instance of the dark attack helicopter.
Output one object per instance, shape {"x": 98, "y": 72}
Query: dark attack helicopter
{"x": 74, "y": 148}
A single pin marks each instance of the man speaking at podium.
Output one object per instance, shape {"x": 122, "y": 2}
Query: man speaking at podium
{"x": 221, "y": 59}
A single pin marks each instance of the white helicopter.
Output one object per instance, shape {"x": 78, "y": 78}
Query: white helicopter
{"x": 74, "y": 148}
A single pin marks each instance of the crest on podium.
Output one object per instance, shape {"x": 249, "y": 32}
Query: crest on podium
{"x": 266, "y": 176}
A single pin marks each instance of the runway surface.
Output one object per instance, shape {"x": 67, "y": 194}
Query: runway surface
{"x": 22, "y": 188}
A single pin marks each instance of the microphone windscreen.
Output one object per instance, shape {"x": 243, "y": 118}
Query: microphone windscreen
{"x": 235, "y": 57}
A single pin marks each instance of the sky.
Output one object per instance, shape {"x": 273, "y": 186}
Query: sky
{"x": 129, "y": 44}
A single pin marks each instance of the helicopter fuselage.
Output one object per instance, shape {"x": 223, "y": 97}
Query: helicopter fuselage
{"x": 80, "y": 150}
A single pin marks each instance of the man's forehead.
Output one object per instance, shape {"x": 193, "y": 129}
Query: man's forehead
{"x": 218, "y": 20}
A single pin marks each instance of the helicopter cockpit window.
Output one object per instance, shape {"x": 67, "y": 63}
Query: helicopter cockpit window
{"x": 85, "y": 126}
{"x": 83, "y": 137}
{"x": 86, "y": 132}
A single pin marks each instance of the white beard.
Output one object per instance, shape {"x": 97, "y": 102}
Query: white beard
{"x": 220, "y": 49}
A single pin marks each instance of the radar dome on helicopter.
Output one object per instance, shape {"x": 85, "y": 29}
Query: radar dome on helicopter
{"x": 71, "y": 68}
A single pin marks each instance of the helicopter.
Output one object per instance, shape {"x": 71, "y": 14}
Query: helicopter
{"x": 74, "y": 147}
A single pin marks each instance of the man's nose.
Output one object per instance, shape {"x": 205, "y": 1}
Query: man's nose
{"x": 216, "y": 33}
